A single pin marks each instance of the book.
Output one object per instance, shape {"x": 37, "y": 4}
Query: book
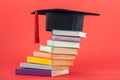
{"x": 63, "y": 44}
{"x": 39, "y": 60}
{"x": 40, "y": 66}
{"x": 69, "y": 33}
{"x": 53, "y": 56}
{"x": 66, "y": 38}
{"x": 52, "y": 62}
{"x": 58, "y": 50}
{"x": 40, "y": 72}
{"x": 46, "y": 48}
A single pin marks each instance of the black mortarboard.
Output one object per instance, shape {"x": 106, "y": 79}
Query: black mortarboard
{"x": 61, "y": 19}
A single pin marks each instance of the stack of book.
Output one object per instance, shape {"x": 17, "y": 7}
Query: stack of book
{"x": 55, "y": 58}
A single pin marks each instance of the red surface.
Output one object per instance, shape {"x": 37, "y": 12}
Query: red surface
{"x": 99, "y": 55}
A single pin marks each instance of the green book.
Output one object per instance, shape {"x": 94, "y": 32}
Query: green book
{"x": 46, "y": 48}
{"x": 59, "y": 50}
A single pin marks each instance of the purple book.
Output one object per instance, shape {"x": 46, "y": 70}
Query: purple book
{"x": 35, "y": 72}
{"x": 41, "y": 72}
{"x": 66, "y": 38}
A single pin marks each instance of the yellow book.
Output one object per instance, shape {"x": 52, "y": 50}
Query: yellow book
{"x": 38, "y": 60}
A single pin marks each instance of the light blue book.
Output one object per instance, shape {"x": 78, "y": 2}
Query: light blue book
{"x": 63, "y": 44}
{"x": 40, "y": 66}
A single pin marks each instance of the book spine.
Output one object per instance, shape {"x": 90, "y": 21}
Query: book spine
{"x": 46, "y": 48}
{"x": 34, "y": 72}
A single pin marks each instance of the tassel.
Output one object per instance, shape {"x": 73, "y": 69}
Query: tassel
{"x": 36, "y": 27}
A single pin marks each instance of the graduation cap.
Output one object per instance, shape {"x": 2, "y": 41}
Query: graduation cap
{"x": 60, "y": 19}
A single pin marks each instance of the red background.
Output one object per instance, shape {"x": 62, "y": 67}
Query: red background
{"x": 99, "y": 55}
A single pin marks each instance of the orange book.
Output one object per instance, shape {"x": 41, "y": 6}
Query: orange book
{"x": 53, "y": 56}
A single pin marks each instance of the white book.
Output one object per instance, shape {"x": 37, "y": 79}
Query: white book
{"x": 69, "y": 33}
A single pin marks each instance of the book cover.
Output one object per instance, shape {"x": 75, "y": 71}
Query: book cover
{"x": 35, "y": 72}
{"x": 39, "y": 60}
{"x": 46, "y": 48}
{"x": 42, "y": 54}
{"x": 52, "y": 62}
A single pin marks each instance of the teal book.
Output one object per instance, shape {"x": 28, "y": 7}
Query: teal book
{"x": 46, "y": 48}
{"x": 59, "y": 50}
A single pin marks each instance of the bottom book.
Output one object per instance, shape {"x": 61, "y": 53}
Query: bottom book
{"x": 41, "y": 72}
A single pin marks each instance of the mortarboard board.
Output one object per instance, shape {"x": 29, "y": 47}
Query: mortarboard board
{"x": 61, "y": 19}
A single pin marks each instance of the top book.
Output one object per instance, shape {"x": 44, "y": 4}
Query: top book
{"x": 69, "y": 33}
